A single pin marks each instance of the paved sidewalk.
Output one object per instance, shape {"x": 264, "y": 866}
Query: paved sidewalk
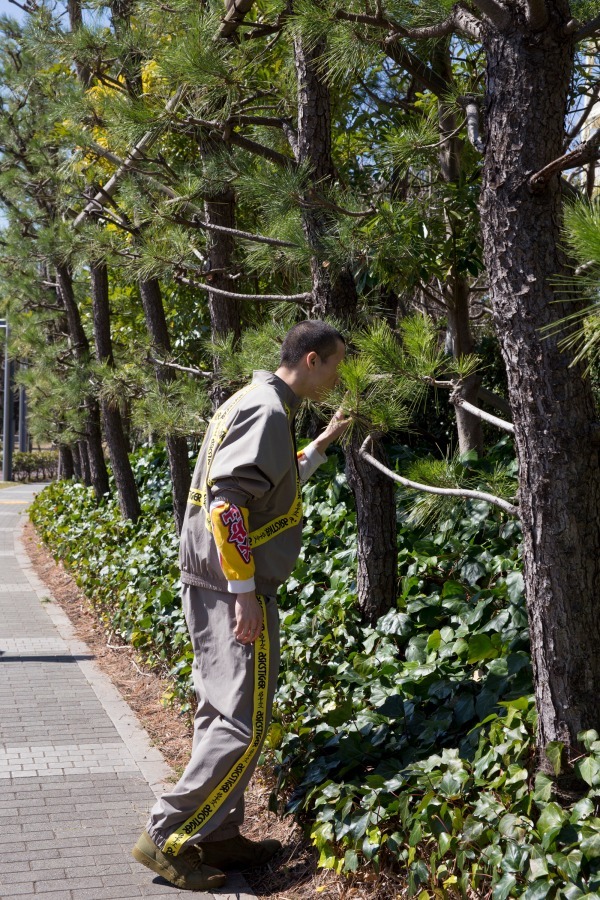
{"x": 77, "y": 772}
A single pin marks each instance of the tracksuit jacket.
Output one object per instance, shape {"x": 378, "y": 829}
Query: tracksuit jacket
{"x": 243, "y": 525}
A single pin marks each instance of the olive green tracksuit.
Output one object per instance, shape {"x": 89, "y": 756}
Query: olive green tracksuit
{"x": 242, "y": 531}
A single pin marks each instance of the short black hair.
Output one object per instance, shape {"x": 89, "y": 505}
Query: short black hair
{"x": 307, "y": 336}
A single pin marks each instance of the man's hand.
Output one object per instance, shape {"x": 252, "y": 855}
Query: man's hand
{"x": 248, "y": 617}
{"x": 335, "y": 429}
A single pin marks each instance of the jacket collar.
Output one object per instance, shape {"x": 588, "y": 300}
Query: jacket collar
{"x": 289, "y": 399}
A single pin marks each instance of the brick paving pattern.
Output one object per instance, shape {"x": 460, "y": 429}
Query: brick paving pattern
{"x": 74, "y": 764}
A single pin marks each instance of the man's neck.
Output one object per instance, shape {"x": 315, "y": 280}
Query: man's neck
{"x": 293, "y": 380}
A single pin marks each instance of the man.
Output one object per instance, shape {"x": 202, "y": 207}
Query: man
{"x": 240, "y": 540}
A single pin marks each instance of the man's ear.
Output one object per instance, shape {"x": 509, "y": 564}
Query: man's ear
{"x": 311, "y": 358}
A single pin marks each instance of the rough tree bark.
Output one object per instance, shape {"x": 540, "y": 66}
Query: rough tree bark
{"x": 84, "y": 463}
{"x": 81, "y": 350}
{"x": 77, "y": 470}
{"x": 66, "y": 468}
{"x": 113, "y": 426}
{"x": 334, "y": 294}
{"x": 553, "y": 408}
{"x": 377, "y": 551}
{"x": 177, "y": 450}
{"x": 219, "y": 209}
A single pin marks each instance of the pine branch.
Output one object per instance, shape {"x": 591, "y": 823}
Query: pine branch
{"x": 496, "y": 12}
{"x": 264, "y": 121}
{"x": 236, "y": 11}
{"x": 428, "y": 489}
{"x": 233, "y": 18}
{"x": 137, "y": 153}
{"x": 584, "y": 116}
{"x": 417, "y": 68}
{"x": 460, "y": 20}
{"x": 172, "y": 365}
{"x": 230, "y": 295}
{"x": 196, "y": 221}
{"x": 318, "y": 200}
{"x": 228, "y": 135}
{"x": 493, "y": 399}
{"x": 260, "y": 150}
{"x": 457, "y": 400}
{"x": 28, "y": 7}
{"x": 586, "y": 152}
{"x": 590, "y": 29}
{"x": 471, "y": 107}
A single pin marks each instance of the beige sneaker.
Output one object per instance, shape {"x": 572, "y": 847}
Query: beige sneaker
{"x": 238, "y": 852}
{"x": 186, "y": 870}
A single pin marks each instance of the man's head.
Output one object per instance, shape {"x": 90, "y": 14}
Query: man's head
{"x": 310, "y": 355}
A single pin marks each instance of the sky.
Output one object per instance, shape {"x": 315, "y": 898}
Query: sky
{"x": 9, "y": 9}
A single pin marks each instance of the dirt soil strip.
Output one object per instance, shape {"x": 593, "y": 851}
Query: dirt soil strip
{"x": 293, "y": 875}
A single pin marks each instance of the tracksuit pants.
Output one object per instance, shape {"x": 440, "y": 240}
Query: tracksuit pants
{"x": 235, "y": 684}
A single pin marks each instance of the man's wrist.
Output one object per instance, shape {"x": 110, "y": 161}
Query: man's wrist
{"x": 241, "y": 587}
{"x": 322, "y": 442}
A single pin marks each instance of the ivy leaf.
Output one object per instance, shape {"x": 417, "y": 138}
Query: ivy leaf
{"x": 340, "y": 714}
{"x": 539, "y": 890}
{"x": 554, "y": 752}
{"x": 351, "y": 861}
{"x": 589, "y": 770}
{"x": 515, "y": 586}
{"x": 590, "y": 842}
{"x": 503, "y": 888}
{"x": 550, "y": 823}
{"x": 472, "y": 572}
{"x": 543, "y": 788}
{"x": 481, "y": 647}
{"x": 582, "y": 810}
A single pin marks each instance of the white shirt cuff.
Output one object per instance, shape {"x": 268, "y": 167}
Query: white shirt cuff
{"x": 241, "y": 587}
{"x": 310, "y": 461}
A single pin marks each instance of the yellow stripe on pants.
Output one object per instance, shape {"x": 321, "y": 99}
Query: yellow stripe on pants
{"x": 176, "y": 841}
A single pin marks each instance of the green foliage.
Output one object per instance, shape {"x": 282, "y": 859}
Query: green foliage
{"x": 129, "y": 571}
{"x": 409, "y": 744}
{"x": 581, "y": 328}
{"x": 38, "y": 465}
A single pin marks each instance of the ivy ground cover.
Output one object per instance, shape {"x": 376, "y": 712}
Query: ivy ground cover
{"x": 408, "y": 745}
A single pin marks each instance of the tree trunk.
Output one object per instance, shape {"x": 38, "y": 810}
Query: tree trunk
{"x": 177, "y": 450}
{"x": 224, "y": 313}
{"x": 553, "y": 408}
{"x": 333, "y": 292}
{"x": 377, "y": 549}
{"x": 113, "y": 425}
{"x": 66, "y": 469}
{"x": 456, "y": 289}
{"x": 81, "y": 350}
{"x": 75, "y": 22}
{"x": 77, "y": 474}
{"x": 84, "y": 463}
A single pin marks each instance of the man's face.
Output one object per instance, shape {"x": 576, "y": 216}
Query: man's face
{"x": 324, "y": 373}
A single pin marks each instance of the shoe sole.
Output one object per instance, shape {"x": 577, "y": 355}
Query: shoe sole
{"x": 153, "y": 864}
